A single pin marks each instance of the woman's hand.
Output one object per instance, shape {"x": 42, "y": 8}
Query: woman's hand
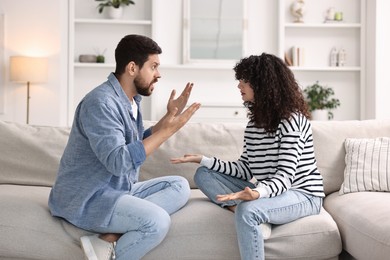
{"x": 187, "y": 158}
{"x": 246, "y": 194}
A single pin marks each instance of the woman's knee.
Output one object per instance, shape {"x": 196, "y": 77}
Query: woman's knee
{"x": 202, "y": 174}
{"x": 245, "y": 211}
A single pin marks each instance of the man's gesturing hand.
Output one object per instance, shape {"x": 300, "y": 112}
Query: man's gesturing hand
{"x": 181, "y": 101}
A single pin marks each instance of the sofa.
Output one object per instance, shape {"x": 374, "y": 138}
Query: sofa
{"x": 351, "y": 225}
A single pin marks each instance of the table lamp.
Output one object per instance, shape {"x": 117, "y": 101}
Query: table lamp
{"x": 28, "y": 70}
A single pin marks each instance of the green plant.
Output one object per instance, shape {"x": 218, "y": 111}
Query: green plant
{"x": 113, "y": 3}
{"x": 320, "y": 97}
{"x": 100, "y": 56}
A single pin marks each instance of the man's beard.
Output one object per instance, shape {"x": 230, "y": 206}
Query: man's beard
{"x": 143, "y": 88}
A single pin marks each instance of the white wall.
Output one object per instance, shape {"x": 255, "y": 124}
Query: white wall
{"x": 36, "y": 28}
{"x": 39, "y": 28}
{"x": 378, "y": 56}
{"x": 382, "y": 56}
{"x": 214, "y": 87}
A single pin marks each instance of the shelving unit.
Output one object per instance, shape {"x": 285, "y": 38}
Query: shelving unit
{"x": 317, "y": 38}
{"x": 93, "y": 33}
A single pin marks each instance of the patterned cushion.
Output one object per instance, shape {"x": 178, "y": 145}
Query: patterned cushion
{"x": 367, "y": 165}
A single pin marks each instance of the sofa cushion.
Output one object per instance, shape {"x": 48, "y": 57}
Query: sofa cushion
{"x": 211, "y": 139}
{"x": 367, "y": 165}
{"x": 30, "y": 155}
{"x": 200, "y": 230}
{"x": 363, "y": 221}
{"x": 28, "y": 229}
{"x": 329, "y": 137}
{"x": 203, "y": 230}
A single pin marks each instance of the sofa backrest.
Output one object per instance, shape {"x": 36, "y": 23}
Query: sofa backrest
{"x": 329, "y": 137}
{"x": 225, "y": 142}
{"x": 211, "y": 139}
{"x": 30, "y": 155}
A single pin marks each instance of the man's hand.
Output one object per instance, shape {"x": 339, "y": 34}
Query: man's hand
{"x": 246, "y": 194}
{"x": 175, "y": 107}
{"x": 167, "y": 126}
{"x": 187, "y": 158}
{"x": 181, "y": 101}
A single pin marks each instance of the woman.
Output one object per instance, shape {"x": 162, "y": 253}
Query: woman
{"x": 275, "y": 180}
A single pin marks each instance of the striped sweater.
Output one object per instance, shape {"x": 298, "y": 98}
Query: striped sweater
{"x": 279, "y": 162}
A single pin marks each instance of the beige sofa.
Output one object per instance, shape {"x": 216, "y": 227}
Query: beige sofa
{"x": 355, "y": 222}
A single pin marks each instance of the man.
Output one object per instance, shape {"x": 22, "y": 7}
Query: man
{"x": 97, "y": 186}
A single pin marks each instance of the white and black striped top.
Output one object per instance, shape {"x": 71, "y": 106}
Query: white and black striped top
{"x": 279, "y": 162}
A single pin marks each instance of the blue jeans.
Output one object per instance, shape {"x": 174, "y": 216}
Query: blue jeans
{"x": 287, "y": 207}
{"x": 143, "y": 215}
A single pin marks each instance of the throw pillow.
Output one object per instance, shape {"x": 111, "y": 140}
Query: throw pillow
{"x": 367, "y": 165}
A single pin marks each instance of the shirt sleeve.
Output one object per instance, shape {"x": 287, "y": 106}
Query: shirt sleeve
{"x": 147, "y": 132}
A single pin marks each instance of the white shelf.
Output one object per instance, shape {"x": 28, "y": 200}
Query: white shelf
{"x": 210, "y": 66}
{"x": 169, "y": 67}
{"x": 317, "y": 38}
{"x": 324, "y": 25}
{"x": 334, "y": 69}
{"x": 93, "y": 65}
{"x": 112, "y": 21}
{"x": 91, "y": 33}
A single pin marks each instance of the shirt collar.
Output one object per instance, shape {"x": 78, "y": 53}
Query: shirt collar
{"x": 119, "y": 91}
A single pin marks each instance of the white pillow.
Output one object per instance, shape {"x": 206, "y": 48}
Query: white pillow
{"x": 367, "y": 165}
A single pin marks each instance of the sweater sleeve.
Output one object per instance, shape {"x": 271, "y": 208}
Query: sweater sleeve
{"x": 239, "y": 169}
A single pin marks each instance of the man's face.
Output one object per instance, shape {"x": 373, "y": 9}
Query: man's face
{"x": 147, "y": 76}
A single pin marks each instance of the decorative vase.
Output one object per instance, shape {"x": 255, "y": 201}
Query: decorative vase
{"x": 320, "y": 115}
{"x": 114, "y": 13}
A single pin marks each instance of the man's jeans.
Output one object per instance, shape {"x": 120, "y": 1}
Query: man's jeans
{"x": 142, "y": 216}
{"x": 287, "y": 207}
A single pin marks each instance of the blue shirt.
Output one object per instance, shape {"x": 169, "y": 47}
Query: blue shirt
{"x": 102, "y": 158}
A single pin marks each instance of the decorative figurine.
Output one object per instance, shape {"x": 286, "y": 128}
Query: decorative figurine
{"x": 341, "y": 58}
{"x": 333, "y": 57}
{"x": 330, "y": 13}
{"x": 298, "y": 10}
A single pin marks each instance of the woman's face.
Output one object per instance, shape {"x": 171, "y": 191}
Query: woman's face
{"x": 247, "y": 93}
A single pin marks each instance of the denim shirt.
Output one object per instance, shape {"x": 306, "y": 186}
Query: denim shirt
{"x": 102, "y": 158}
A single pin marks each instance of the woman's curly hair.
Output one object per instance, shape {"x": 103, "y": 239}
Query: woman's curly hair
{"x": 277, "y": 95}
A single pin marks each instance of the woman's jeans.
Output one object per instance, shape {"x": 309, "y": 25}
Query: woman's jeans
{"x": 287, "y": 207}
{"x": 142, "y": 216}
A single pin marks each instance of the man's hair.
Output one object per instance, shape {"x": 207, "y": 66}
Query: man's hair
{"x": 136, "y": 48}
{"x": 277, "y": 95}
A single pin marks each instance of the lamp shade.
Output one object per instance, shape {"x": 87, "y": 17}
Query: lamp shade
{"x": 28, "y": 69}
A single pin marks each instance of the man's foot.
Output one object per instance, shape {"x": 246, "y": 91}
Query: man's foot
{"x": 266, "y": 230}
{"x": 97, "y": 249}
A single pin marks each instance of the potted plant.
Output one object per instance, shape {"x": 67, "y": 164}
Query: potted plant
{"x": 320, "y": 98}
{"x": 114, "y": 7}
